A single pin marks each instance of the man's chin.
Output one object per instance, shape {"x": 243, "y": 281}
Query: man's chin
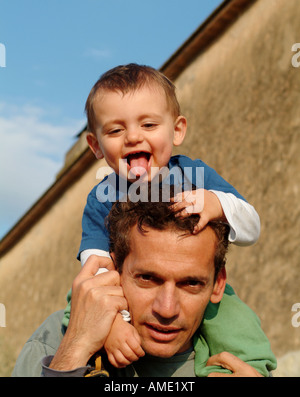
{"x": 162, "y": 350}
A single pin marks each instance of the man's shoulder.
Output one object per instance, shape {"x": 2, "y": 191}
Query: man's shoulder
{"x": 43, "y": 342}
{"x": 48, "y": 331}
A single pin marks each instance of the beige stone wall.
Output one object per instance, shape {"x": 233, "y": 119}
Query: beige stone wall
{"x": 242, "y": 101}
{"x": 36, "y": 274}
{"x": 241, "y": 98}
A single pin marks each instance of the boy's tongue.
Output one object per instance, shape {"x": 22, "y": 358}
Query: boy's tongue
{"x": 138, "y": 164}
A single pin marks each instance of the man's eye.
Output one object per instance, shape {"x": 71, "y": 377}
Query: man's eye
{"x": 145, "y": 277}
{"x": 193, "y": 285}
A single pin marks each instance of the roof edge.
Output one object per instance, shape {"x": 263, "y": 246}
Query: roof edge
{"x": 204, "y": 36}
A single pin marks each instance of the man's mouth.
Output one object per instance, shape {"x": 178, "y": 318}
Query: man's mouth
{"x": 138, "y": 163}
{"x": 162, "y": 333}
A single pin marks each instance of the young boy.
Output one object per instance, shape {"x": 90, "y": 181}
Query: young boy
{"x": 134, "y": 121}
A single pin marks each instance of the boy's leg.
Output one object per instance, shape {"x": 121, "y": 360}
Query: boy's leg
{"x": 233, "y": 327}
{"x": 66, "y": 317}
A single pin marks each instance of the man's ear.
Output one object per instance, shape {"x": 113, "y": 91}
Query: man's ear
{"x": 219, "y": 287}
{"x": 180, "y": 127}
{"x": 94, "y": 145}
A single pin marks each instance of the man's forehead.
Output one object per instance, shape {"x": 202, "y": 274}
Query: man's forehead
{"x": 171, "y": 245}
{"x": 139, "y": 232}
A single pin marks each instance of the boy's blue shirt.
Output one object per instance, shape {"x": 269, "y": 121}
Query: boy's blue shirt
{"x": 94, "y": 233}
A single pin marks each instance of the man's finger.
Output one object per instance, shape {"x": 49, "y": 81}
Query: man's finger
{"x": 234, "y": 364}
{"x": 90, "y": 267}
{"x": 219, "y": 375}
{"x": 225, "y": 360}
{"x": 86, "y": 280}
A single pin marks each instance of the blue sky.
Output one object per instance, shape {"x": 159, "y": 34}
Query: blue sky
{"x": 55, "y": 51}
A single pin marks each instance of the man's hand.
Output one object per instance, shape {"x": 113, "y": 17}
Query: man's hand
{"x": 101, "y": 262}
{"x": 238, "y": 367}
{"x": 96, "y": 300}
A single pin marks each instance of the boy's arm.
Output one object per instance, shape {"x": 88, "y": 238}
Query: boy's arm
{"x": 94, "y": 232}
{"x": 123, "y": 343}
{"x": 242, "y": 218}
{"x": 212, "y": 205}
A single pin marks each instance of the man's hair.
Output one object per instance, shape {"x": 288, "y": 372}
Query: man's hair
{"x": 159, "y": 216}
{"x": 126, "y": 78}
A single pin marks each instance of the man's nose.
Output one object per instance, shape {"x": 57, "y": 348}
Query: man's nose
{"x": 166, "y": 303}
{"x": 133, "y": 135}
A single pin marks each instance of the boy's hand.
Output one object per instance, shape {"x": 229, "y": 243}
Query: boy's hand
{"x": 202, "y": 202}
{"x": 123, "y": 344}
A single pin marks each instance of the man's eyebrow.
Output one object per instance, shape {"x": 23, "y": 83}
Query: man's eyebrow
{"x": 146, "y": 271}
{"x": 201, "y": 279}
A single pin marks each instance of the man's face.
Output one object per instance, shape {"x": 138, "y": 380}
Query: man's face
{"x": 135, "y": 131}
{"x": 168, "y": 281}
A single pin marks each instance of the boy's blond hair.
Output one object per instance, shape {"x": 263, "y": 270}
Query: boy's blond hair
{"x": 126, "y": 78}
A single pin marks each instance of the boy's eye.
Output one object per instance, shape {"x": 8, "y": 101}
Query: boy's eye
{"x": 149, "y": 125}
{"x": 115, "y": 131}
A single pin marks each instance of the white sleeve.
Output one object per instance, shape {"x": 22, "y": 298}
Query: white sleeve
{"x": 84, "y": 255}
{"x": 242, "y": 218}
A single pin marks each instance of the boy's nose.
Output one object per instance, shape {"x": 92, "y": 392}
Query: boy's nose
{"x": 133, "y": 136}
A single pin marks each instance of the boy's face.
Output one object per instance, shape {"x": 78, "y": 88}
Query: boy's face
{"x": 136, "y": 131}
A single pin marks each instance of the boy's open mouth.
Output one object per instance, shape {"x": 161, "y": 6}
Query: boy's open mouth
{"x": 138, "y": 163}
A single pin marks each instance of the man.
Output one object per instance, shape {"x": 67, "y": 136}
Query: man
{"x": 166, "y": 277}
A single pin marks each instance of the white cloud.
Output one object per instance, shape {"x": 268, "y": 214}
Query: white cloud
{"x": 32, "y": 153}
{"x": 97, "y": 53}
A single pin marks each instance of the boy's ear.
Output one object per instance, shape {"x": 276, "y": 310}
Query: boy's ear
{"x": 180, "y": 127}
{"x": 94, "y": 145}
{"x": 219, "y": 287}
